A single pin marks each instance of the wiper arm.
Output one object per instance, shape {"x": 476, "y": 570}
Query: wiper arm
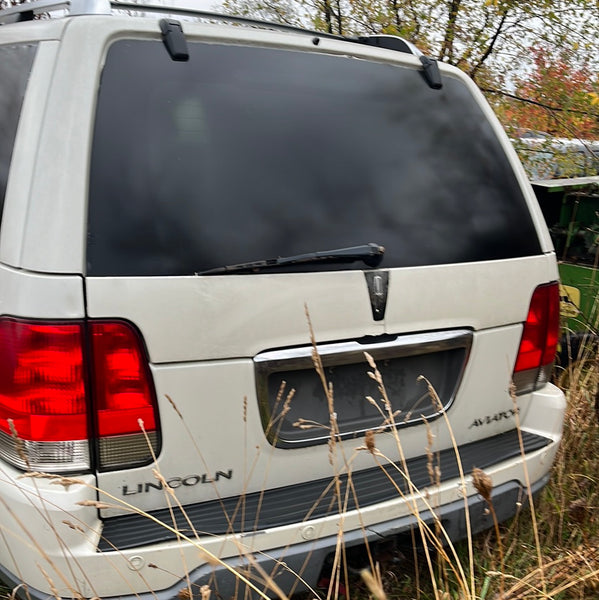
{"x": 370, "y": 254}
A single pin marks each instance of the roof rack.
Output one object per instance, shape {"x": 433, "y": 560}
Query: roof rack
{"x": 28, "y": 10}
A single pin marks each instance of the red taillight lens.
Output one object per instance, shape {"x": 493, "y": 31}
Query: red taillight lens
{"x": 121, "y": 380}
{"x": 44, "y": 392}
{"x": 123, "y": 395}
{"x": 539, "y": 339}
{"x": 42, "y": 385}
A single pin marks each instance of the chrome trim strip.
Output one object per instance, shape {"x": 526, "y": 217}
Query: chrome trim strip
{"x": 345, "y": 353}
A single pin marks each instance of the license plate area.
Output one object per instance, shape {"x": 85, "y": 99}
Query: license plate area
{"x": 438, "y": 356}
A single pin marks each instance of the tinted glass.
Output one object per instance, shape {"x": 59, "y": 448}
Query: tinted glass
{"x": 15, "y": 67}
{"x": 247, "y": 153}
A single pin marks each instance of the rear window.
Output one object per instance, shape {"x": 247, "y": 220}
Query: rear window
{"x": 15, "y": 67}
{"x": 248, "y": 153}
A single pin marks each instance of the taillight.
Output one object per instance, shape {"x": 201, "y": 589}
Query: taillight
{"x": 42, "y": 392}
{"x": 123, "y": 395}
{"x": 49, "y": 412}
{"x": 539, "y": 340}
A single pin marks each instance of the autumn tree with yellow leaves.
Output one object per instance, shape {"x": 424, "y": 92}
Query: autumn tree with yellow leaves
{"x": 473, "y": 35}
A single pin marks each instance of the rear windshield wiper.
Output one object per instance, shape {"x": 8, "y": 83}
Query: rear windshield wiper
{"x": 370, "y": 254}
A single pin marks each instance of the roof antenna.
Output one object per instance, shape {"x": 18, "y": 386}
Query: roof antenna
{"x": 174, "y": 40}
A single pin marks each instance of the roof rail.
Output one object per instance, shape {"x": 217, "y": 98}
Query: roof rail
{"x": 28, "y": 10}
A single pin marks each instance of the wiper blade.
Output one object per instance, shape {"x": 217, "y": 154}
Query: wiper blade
{"x": 369, "y": 254}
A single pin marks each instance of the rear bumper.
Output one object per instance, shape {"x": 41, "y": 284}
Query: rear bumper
{"x": 298, "y": 567}
{"x": 285, "y": 565}
{"x": 287, "y": 506}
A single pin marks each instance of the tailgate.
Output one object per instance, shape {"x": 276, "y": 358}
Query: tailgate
{"x": 220, "y": 348}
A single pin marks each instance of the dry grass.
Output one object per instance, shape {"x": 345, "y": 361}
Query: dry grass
{"x": 549, "y": 553}
{"x": 556, "y": 555}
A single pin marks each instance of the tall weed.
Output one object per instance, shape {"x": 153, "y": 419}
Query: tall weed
{"x": 549, "y": 550}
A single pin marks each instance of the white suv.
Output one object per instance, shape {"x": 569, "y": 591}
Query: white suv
{"x": 179, "y": 192}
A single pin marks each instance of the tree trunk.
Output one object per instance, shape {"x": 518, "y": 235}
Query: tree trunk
{"x": 328, "y": 15}
{"x": 450, "y": 31}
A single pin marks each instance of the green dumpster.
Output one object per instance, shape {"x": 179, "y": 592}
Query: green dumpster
{"x": 571, "y": 210}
